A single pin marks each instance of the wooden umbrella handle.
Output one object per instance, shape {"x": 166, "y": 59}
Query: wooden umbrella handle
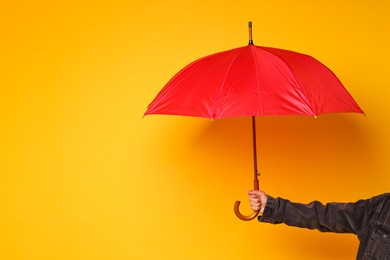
{"x": 242, "y": 217}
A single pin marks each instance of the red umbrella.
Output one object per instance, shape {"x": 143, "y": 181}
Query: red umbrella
{"x": 253, "y": 81}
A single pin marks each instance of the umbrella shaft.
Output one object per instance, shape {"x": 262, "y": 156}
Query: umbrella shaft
{"x": 256, "y": 172}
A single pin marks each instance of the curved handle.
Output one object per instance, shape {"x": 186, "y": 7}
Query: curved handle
{"x": 242, "y": 217}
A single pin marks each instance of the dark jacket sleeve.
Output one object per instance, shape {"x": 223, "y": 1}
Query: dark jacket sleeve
{"x": 333, "y": 217}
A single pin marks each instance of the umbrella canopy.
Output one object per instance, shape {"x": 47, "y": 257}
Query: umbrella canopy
{"x": 253, "y": 81}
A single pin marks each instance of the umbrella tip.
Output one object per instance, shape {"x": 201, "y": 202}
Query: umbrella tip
{"x": 250, "y": 32}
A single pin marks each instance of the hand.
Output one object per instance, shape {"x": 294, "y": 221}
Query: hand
{"x": 258, "y": 200}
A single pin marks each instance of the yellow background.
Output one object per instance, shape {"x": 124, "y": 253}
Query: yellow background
{"x": 84, "y": 176}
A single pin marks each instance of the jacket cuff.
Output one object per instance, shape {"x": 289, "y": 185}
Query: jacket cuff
{"x": 269, "y": 211}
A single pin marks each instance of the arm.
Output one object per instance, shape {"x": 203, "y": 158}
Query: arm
{"x": 332, "y": 217}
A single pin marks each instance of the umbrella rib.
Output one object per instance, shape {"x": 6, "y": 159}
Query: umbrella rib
{"x": 296, "y": 79}
{"x": 258, "y": 84}
{"x": 223, "y": 84}
{"x": 173, "y": 82}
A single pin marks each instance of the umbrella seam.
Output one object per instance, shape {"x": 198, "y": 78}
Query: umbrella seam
{"x": 259, "y": 85}
{"x": 218, "y": 100}
{"x": 296, "y": 78}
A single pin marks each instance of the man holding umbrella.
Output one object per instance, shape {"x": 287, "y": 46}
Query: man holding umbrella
{"x": 253, "y": 81}
{"x": 369, "y": 219}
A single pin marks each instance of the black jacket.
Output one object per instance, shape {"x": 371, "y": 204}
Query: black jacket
{"x": 368, "y": 219}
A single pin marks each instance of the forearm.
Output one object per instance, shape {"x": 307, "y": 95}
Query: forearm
{"x": 332, "y": 217}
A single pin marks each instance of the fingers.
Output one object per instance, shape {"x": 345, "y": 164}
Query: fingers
{"x": 254, "y": 192}
{"x": 255, "y": 205}
{"x": 257, "y": 199}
